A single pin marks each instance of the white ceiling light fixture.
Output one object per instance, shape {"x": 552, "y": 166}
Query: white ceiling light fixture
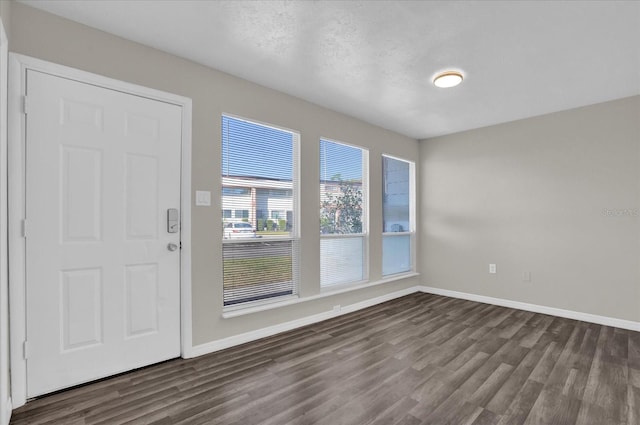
{"x": 447, "y": 79}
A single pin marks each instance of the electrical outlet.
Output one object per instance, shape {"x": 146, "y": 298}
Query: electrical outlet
{"x": 526, "y": 276}
{"x": 492, "y": 269}
{"x": 336, "y": 308}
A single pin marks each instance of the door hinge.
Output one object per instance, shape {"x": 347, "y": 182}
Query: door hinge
{"x": 24, "y": 228}
{"x": 25, "y": 105}
{"x": 25, "y": 350}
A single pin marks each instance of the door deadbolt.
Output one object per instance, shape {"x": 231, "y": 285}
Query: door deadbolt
{"x": 173, "y": 220}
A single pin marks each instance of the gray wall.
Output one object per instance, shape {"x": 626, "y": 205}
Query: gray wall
{"x": 45, "y": 36}
{"x": 5, "y": 13}
{"x": 531, "y": 195}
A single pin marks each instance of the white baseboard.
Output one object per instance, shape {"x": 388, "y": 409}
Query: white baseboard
{"x": 232, "y": 341}
{"x": 569, "y": 314}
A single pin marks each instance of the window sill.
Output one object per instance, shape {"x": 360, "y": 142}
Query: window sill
{"x": 231, "y": 312}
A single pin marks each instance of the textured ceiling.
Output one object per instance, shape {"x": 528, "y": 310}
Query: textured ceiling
{"x": 375, "y": 60}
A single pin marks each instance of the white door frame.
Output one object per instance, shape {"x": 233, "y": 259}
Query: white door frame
{"x": 5, "y": 394}
{"x": 18, "y": 66}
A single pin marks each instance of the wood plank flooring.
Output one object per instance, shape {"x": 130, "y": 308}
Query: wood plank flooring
{"x": 420, "y": 359}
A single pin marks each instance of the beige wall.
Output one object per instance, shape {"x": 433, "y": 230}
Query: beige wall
{"x": 5, "y": 12}
{"x": 45, "y": 36}
{"x": 531, "y": 196}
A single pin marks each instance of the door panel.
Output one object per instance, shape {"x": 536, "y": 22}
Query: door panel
{"x": 142, "y": 197}
{"x": 103, "y": 290}
{"x": 142, "y": 299}
{"x": 81, "y": 194}
{"x": 81, "y": 306}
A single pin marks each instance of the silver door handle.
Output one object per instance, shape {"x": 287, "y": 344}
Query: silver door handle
{"x": 172, "y": 247}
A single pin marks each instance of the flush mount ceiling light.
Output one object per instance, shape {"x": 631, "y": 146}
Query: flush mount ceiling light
{"x": 447, "y": 79}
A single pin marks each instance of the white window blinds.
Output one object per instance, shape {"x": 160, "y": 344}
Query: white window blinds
{"x": 259, "y": 211}
{"x": 397, "y": 214}
{"x": 343, "y": 213}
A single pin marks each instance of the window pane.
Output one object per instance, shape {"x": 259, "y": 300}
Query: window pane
{"x": 396, "y": 254}
{"x": 342, "y": 212}
{"x": 341, "y": 202}
{"x": 257, "y": 270}
{"x": 257, "y": 175}
{"x": 242, "y": 213}
{"x": 396, "y": 197}
{"x": 397, "y": 210}
{"x": 341, "y": 260}
{"x": 258, "y": 191}
{"x": 235, "y": 191}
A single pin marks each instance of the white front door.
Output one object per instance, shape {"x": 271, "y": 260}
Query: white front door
{"x": 103, "y": 271}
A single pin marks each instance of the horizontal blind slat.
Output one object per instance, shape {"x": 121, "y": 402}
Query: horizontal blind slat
{"x": 258, "y": 160}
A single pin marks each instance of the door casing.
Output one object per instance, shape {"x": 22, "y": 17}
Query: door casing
{"x": 18, "y": 66}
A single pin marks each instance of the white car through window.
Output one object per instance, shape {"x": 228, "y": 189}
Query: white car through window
{"x": 239, "y": 230}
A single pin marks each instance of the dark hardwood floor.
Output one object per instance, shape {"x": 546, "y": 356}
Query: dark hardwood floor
{"x": 420, "y": 359}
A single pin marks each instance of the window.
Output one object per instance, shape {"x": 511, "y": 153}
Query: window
{"x": 231, "y": 191}
{"x": 226, "y": 213}
{"x": 397, "y": 215}
{"x": 259, "y": 263}
{"x": 279, "y": 193}
{"x": 343, "y": 213}
{"x": 242, "y": 214}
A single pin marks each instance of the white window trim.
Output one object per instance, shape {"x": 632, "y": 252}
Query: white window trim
{"x": 397, "y": 233}
{"x": 229, "y": 313}
{"x": 343, "y": 236}
{"x": 284, "y": 299}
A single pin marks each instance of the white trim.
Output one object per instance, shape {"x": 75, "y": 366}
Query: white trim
{"x": 7, "y": 412}
{"x": 16, "y": 242}
{"x": 326, "y": 292}
{"x": 272, "y": 330}
{"x": 259, "y": 239}
{"x": 186, "y": 316}
{"x": 258, "y": 305}
{"x": 398, "y": 233}
{"x": 553, "y": 311}
{"x": 343, "y": 235}
{"x": 19, "y": 64}
{"x": 5, "y": 399}
{"x": 234, "y": 340}
{"x": 262, "y": 123}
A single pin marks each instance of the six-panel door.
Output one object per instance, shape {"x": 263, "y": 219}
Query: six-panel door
{"x": 103, "y": 289}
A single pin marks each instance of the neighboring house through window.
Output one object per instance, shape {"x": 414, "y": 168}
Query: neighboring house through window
{"x": 259, "y": 263}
